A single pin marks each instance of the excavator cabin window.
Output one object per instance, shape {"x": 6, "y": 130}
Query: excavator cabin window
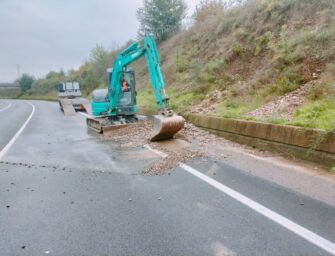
{"x": 127, "y": 97}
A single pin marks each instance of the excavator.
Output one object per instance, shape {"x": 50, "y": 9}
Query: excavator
{"x": 115, "y": 108}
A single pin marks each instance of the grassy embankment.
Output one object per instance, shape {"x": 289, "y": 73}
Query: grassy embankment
{"x": 253, "y": 54}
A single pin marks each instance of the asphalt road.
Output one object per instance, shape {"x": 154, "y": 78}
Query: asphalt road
{"x": 67, "y": 191}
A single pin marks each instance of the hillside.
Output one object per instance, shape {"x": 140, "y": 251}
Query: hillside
{"x": 269, "y": 60}
{"x": 231, "y": 62}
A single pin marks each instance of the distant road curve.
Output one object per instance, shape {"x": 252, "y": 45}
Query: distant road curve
{"x": 18, "y": 133}
{"x": 6, "y": 107}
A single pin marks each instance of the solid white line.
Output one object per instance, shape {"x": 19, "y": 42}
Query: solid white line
{"x": 7, "y": 107}
{"x": 160, "y": 153}
{"x": 279, "y": 219}
{"x": 84, "y": 114}
{"x": 16, "y": 136}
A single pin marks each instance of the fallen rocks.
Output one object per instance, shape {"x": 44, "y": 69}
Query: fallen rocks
{"x": 209, "y": 104}
{"x": 172, "y": 160}
{"x": 284, "y": 106}
{"x": 191, "y": 142}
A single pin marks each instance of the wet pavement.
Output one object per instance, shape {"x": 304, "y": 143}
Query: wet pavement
{"x": 67, "y": 191}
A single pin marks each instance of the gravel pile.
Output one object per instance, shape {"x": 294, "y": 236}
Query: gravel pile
{"x": 209, "y": 104}
{"x": 199, "y": 137}
{"x": 134, "y": 135}
{"x": 172, "y": 160}
{"x": 284, "y": 106}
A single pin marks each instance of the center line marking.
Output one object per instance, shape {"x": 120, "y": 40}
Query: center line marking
{"x": 160, "y": 153}
{"x": 84, "y": 114}
{"x": 261, "y": 209}
{"x": 16, "y": 136}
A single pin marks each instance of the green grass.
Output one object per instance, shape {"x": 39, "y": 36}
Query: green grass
{"x": 181, "y": 101}
{"x": 235, "y": 107}
{"x": 316, "y": 114}
{"x": 277, "y": 119}
{"x": 146, "y": 99}
{"x": 332, "y": 169}
{"x": 178, "y": 101}
{"x": 238, "y": 48}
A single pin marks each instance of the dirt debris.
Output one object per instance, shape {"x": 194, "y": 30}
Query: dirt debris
{"x": 139, "y": 134}
{"x": 284, "y": 106}
{"x": 172, "y": 160}
{"x": 209, "y": 104}
{"x": 191, "y": 142}
{"x": 135, "y": 135}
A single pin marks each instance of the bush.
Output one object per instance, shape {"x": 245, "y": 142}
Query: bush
{"x": 215, "y": 67}
{"x": 237, "y": 48}
{"x": 262, "y": 42}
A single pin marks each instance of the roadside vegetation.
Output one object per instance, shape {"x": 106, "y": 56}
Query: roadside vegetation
{"x": 250, "y": 51}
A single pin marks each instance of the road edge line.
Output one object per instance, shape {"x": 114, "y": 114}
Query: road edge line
{"x": 7, "y": 107}
{"x": 18, "y": 133}
{"x": 266, "y": 212}
{"x": 302, "y": 232}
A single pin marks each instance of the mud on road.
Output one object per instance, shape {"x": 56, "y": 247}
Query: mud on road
{"x": 191, "y": 142}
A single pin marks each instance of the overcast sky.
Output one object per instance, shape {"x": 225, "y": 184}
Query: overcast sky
{"x": 44, "y": 35}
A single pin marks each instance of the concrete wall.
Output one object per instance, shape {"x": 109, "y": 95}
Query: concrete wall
{"x": 311, "y": 144}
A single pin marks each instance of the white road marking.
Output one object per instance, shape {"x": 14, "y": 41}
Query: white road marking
{"x": 7, "y": 107}
{"x": 279, "y": 219}
{"x": 16, "y": 136}
{"x": 84, "y": 114}
{"x": 160, "y": 153}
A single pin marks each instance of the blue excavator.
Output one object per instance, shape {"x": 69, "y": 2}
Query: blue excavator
{"x": 116, "y": 107}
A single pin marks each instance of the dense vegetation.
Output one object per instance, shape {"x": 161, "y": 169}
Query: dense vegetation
{"x": 250, "y": 52}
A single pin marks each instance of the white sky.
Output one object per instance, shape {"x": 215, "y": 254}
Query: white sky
{"x": 44, "y": 35}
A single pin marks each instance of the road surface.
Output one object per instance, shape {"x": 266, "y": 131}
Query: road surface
{"x": 67, "y": 191}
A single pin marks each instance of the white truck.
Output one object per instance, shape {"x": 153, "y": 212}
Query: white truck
{"x": 70, "y": 98}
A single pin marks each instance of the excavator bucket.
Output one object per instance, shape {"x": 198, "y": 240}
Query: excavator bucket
{"x": 165, "y": 127}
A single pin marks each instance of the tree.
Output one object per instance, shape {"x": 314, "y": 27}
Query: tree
{"x": 99, "y": 62}
{"x": 161, "y": 18}
{"x": 25, "y": 82}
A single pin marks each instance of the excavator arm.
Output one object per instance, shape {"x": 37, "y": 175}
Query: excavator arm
{"x": 147, "y": 48}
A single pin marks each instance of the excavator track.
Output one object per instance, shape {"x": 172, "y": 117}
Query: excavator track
{"x": 104, "y": 125}
{"x": 164, "y": 127}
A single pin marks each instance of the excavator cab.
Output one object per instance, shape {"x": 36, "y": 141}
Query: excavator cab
{"x": 127, "y": 101}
